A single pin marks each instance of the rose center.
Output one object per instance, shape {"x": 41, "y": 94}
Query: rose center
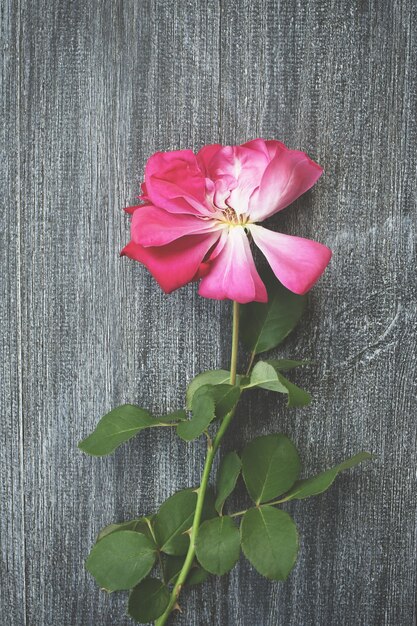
{"x": 232, "y": 218}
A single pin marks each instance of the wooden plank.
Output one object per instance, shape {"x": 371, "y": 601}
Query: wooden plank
{"x": 100, "y": 86}
{"x": 12, "y": 505}
{"x": 104, "y": 87}
{"x": 335, "y": 80}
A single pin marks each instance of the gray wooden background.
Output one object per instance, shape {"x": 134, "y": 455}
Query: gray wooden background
{"x": 89, "y": 91}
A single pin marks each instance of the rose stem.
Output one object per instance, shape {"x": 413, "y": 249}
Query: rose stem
{"x": 211, "y": 453}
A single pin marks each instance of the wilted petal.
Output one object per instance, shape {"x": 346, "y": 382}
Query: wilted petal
{"x": 289, "y": 174}
{"x": 175, "y": 264}
{"x": 297, "y": 262}
{"x": 233, "y": 273}
{"x": 152, "y": 226}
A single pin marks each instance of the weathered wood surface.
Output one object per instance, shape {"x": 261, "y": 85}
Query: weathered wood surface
{"x": 90, "y": 90}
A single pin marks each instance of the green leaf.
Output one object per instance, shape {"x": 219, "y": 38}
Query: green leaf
{"x": 212, "y": 377}
{"x": 218, "y": 545}
{"x": 121, "y": 560}
{"x": 227, "y": 476}
{"x": 209, "y": 510}
{"x": 140, "y": 525}
{"x": 269, "y": 541}
{"x": 297, "y": 397}
{"x": 317, "y": 484}
{"x": 287, "y": 364}
{"x": 203, "y": 412}
{"x": 264, "y": 326}
{"x": 173, "y": 566}
{"x": 270, "y": 467}
{"x": 172, "y": 520}
{"x": 225, "y": 398}
{"x": 148, "y": 601}
{"x": 115, "y": 428}
{"x": 196, "y": 576}
{"x": 265, "y": 376}
{"x": 174, "y": 416}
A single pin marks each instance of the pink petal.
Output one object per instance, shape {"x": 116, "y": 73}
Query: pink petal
{"x": 143, "y": 195}
{"x": 175, "y": 182}
{"x": 217, "y": 188}
{"x": 152, "y": 226}
{"x": 268, "y": 147}
{"x": 290, "y": 174}
{"x": 223, "y": 187}
{"x": 205, "y": 155}
{"x": 175, "y": 264}
{"x": 207, "y": 263}
{"x": 298, "y": 263}
{"x": 233, "y": 273}
{"x": 241, "y": 164}
{"x": 203, "y": 270}
{"x": 132, "y": 209}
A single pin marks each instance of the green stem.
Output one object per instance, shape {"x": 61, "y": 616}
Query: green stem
{"x": 211, "y": 453}
{"x": 235, "y": 343}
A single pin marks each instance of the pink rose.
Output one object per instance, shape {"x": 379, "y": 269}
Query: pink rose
{"x": 201, "y": 210}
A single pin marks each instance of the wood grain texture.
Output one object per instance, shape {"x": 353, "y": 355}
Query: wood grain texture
{"x": 89, "y": 91}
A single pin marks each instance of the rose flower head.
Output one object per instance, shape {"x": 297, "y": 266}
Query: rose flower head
{"x": 201, "y": 212}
